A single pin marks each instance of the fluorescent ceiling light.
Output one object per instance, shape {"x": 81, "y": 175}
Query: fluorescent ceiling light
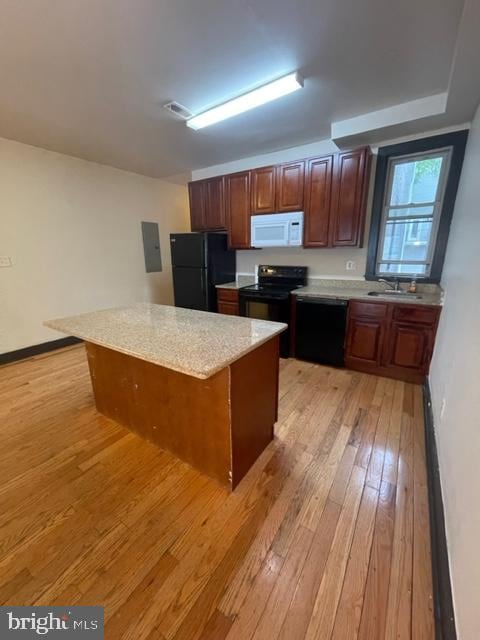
{"x": 255, "y": 98}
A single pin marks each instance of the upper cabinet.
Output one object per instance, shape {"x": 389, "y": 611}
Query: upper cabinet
{"x": 335, "y": 199}
{"x": 349, "y": 189}
{"x": 318, "y": 194}
{"x": 278, "y": 188}
{"x": 263, "y": 190}
{"x": 290, "y": 186}
{"x": 196, "y": 193}
{"x": 237, "y": 208}
{"x": 207, "y": 204}
{"x": 215, "y": 203}
{"x": 331, "y": 191}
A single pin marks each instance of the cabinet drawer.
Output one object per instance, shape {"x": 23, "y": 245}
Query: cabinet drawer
{"x": 228, "y": 308}
{"x": 227, "y": 295}
{"x": 420, "y": 315}
{"x": 377, "y": 310}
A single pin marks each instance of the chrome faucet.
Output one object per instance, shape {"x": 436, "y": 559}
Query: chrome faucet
{"x": 395, "y": 285}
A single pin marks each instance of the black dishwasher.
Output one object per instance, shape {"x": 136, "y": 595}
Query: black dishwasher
{"x": 320, "y": 330}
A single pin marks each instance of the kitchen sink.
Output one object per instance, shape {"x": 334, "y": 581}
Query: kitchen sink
{"x": 395, "y": 294}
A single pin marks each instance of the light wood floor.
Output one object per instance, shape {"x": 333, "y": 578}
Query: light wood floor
{"x": 326, "y": 537}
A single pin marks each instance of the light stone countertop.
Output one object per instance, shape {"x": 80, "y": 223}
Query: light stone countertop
{"x": 358, "y": 290}
{"x": 241, "y": 281}
{"x": 196, "y": 343}
{"x": 230, "y": 285}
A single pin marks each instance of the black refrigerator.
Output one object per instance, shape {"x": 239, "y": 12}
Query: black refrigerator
{"x": 199, "y": 262}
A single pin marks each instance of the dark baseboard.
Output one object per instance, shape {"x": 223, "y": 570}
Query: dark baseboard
{"x": 442, "y": 588}
{"x": 37, "y": 349}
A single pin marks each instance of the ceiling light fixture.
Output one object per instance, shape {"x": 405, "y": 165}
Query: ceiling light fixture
{"x": 267, "y": 93}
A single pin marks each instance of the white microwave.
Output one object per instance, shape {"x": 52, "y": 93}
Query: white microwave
{"x": 277, "y": 230}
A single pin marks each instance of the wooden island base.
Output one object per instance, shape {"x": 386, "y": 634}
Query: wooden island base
{"x": 219, "y": 425}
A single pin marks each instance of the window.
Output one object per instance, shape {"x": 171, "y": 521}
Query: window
{"x": 411, "y": 212}
{"x": 415, "y": 188}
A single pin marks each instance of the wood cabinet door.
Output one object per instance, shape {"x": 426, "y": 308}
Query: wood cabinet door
{"x": 348, "y": 198}
{"x": 290, "y": 186}
{"x": 318, "y": 191}
{"x": 365, "y": 338}
{"x": 409, "y": 346}
{"x": 263, "y": 190}
{"x": 214, "y": 204}
{"x": 237, "y": 209}
{"x": 196, "y": 194}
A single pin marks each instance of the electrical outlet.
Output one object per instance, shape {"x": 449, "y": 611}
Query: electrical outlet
{"x": 351, "y": 265}
{"x": 5, "y": 261}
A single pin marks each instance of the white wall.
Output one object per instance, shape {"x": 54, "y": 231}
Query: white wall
{"x": 326, "y": 263}
{"x": 72, "y": 229}
{"x": 455, "y": 379}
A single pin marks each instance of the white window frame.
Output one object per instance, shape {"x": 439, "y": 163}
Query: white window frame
{"x": 437, "y": 205}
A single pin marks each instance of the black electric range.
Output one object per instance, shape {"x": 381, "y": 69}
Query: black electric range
{"x": 269, "y": 299}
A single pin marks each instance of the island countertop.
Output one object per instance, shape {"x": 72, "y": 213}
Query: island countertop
{"x": 197, "y": 343}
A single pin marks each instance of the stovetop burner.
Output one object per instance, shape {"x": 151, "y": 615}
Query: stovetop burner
{"x": 277, "y": 281}
{"x": 271, "y": 287}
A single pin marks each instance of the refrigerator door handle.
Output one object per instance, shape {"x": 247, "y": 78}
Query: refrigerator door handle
{"x": 205, "y": 289}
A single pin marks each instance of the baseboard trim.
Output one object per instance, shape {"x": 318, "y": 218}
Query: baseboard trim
{"x": 37, "y": 349}
{"x": 442, "y": 587}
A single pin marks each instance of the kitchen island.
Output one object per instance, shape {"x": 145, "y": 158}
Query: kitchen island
{"x": 202, "y": 385}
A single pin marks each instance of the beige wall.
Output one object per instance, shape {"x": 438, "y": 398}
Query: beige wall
{"x": 455, "y": 386}
{"x": 72, "y": 229}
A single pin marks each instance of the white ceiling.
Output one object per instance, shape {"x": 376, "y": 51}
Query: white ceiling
{"x": 88, "y": 78}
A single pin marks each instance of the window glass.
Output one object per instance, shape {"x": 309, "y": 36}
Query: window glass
{"x": 402, "y": 269}
{"x": 416, "y": 180}
{"x": 406, "y": 241}
{"x": 412, "y": 207}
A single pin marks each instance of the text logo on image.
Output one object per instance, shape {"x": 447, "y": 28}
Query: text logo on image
{"x": 25, "y": 623}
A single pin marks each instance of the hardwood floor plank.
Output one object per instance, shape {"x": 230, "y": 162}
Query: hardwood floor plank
{"x": 217, "y": 627}
{"x": 315, "y": 542}
{"x": 369, "y": 429}
{"x": 297, "y": 617}
{"x": 292, "y": 518}
{"x": 179, "y": 592}
{"x": 374, "y": 610}
{"x": 310, "y": 514}
{"x": 375, "y": 467}
{"x": 134, "y": 605}
{"x": 349, "y": 611}
{"x": 392, "y": 447}
{"x": 324, "y": 611}
{"x": 254, "y": 605}
{"x": 342, "y": 475}
{"x": 399, "y": 607}
{"x": 281, "y": 596}
{"x": 240, "y": 585}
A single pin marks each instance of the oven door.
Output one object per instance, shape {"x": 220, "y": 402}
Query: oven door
{"x": 261, "y": 308}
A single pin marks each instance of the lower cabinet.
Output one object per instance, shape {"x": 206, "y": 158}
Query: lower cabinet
{"x": 391, "y": 339}
{"x": 227, "y": 302}
{"x": 409, "y": 347}
{"x": 365, "y": 340}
